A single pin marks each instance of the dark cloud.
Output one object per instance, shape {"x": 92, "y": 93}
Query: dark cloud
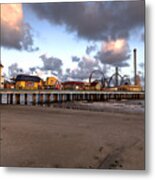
{"x": 90, "y": 48}
{"x": 15, "y": 33}
{"x": 115, "y": 53}
{"x": 14, "y": 40}
{"x": 68, "y": 70}
{"x": 14, "y": 70}
{"x": 67, "y": 75}
{"x": 75, "y": 59}
{"x": 94, "y": 20}
{"x": 27, "y": 39}
{"x": 85, "y": 66}
{"x": 52, "y": 64}
{"x": 33, "y": 70}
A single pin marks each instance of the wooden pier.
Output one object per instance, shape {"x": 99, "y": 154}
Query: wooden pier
{"x": 48, "y": 97}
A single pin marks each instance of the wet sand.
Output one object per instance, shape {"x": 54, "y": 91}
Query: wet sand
{"x": 34, "y": 136}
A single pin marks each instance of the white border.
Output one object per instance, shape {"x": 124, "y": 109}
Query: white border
{"x": 70, "y": 174}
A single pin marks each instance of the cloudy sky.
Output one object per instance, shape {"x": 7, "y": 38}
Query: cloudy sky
{"x": 70, "y": 40}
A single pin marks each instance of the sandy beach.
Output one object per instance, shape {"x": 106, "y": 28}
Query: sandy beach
{"x": 35, "y": 136}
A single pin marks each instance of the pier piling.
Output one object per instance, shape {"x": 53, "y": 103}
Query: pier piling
{"x": 17, "y": 98}
{"x": 34, "y": 99}
{"x": 63, "y": 96}
{"x": 25, "y": 99}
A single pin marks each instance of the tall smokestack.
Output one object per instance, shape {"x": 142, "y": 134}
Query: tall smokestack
{"x": 135, "y": 66}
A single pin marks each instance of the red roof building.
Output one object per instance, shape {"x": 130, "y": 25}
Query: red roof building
{"x": 73, "y": 85}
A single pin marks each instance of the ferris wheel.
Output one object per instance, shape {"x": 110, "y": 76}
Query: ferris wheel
{"x": 97, "y": 75}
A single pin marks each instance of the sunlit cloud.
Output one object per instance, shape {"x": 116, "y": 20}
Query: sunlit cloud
{"x": 14, "y": 18}
{"x": 114, "y": 52}
{"x": 114, "y": 46}
{"x": 15, "y": 33}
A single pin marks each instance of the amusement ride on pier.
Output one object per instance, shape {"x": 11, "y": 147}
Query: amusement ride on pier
{"x": 115, "y": 87}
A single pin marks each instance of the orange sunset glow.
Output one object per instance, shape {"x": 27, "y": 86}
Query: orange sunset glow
{"x": 114, "y": 46}
{"x": 12, "y": 15}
